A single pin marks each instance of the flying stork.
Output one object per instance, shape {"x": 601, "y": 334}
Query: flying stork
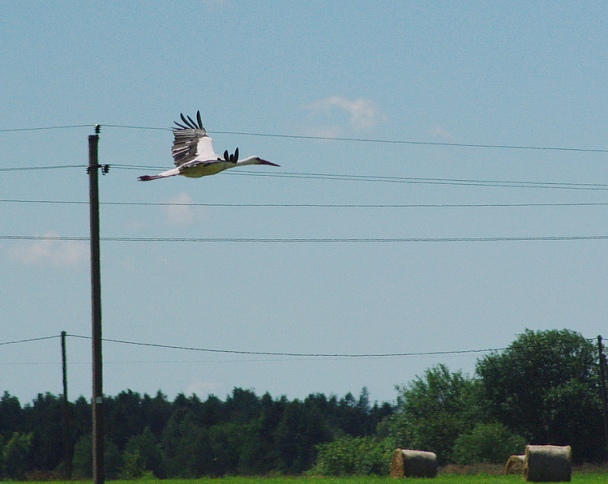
{"x": 193, "y": 153}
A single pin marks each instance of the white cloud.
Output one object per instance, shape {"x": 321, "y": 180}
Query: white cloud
{"x": 439, "y": 132}
{"x": 181, "y": 213}
{"x": 50, "y": 252}
{"x": 362, "y": 113}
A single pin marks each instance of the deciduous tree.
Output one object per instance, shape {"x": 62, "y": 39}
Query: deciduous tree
{"x": 434, "y": 410}
{"x": 544, "y": 386}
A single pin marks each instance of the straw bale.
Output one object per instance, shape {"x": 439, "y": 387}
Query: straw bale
{"x": 413, "y": 463}
{"x": 515, "y": 464}
{"x": 548, "y": 463}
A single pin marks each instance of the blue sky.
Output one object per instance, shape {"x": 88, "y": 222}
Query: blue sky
{"x": 447, "y": 74}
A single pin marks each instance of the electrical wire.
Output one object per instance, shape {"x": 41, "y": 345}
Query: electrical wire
{"x": 368, "y": 178}
{"x": 270, "y": 353}
{"x": 145, "y": 128}
{"x": 329, "y": 138}
{"x": 329, "y": 240}
{"x": 291, "y": 354}
{"x": 430, "y": 181}
{"x": 313, "y": 205}
{"x": 30, "y": 340}
{"x": 411, "y": 180}
{"x": 421, "y": 143}
{"x": 52, "y": 167}
{"x": 46, "y": 128}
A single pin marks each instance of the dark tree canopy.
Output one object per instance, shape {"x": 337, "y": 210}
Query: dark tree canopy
{"x": 189, "y": 437}
{"x": 544, "y": 386}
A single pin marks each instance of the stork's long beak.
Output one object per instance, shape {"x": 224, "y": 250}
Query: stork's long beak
{"x": 264, "y": 162}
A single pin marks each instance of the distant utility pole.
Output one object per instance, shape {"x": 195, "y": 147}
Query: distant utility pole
{"x": 65, "y": 410}
{"x": 97, "y": 403}
{"x": 602, "y": 357}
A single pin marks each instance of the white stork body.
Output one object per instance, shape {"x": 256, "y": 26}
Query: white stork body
{"x": 193, "y": 153}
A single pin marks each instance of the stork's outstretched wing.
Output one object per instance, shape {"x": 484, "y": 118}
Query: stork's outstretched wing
{"x": 193, "y": 153}
{"x": 191, "y": 142}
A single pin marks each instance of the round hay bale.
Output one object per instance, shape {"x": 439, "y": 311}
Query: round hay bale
{"x": 515, "y": 464}
{"x": 548, "y": 463}
{"x": 413, "y": 463}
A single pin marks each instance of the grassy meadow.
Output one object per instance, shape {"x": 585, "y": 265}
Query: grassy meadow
{"x": 586, "y": 476}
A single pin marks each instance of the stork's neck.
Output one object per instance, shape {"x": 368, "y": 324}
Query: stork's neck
{"x": 251, "y": 160}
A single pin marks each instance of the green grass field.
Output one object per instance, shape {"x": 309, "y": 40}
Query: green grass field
{"x": 595, "y": 478}
{"x": 587, "y": 477}
{"x": 440, "y": 479}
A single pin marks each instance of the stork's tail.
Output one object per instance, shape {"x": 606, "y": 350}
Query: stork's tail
{"x": 149, "y": 177}
{"x": 164, "y": 174}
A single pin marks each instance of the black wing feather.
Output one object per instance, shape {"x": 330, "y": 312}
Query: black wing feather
{"x": 189, "y": 123}
{"x": 192, "y": 123}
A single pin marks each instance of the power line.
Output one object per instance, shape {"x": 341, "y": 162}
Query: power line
{"x": 411, "y": 180}
{"x": 351, "y": 240}
{"x": 52, "y": 202}
{"x": 145, "y": 128}
{"x": 300, "y": 355}
{"x": 269, "y": 353}
{"x": 46, "y": 128}
{"x": 52, "y": 167}
{"x": 29, "y": 340}
{"x": 430, "y": 181}
{"x": 314, "y": 205}
{"x": 370, "y": 178}
{"x": 422, "y": 143}
{"x": 330, "y": 138}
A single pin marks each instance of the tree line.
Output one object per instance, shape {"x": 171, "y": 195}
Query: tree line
{"x": 543, "y": 389}
{"x": 186, "y": 437}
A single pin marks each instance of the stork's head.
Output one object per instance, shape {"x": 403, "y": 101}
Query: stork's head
{"x": 260, "y": 161}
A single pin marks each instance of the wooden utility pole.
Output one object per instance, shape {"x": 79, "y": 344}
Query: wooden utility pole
{"x": 65, "y": 410}
{"x": 97, "y": 403}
